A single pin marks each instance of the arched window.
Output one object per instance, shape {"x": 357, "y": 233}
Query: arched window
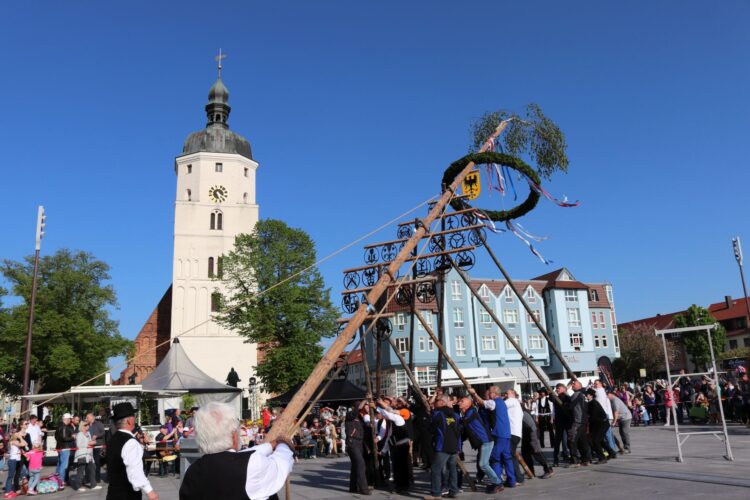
{"x": 210, "y": 267}
{"x": 215, "y": 302}
{"x": 220, "y": 267}
{"x": 189, "y": 195}
{"x": 244, "y": 198}
{"x": 217, "y": 220}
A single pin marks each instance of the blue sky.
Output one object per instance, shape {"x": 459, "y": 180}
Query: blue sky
{"x": 354, "y": 109}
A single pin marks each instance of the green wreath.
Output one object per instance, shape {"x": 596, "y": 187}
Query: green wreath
{"x": 457, "y": 166}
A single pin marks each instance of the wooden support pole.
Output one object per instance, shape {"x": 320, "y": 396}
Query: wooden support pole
{"x": 285, "y": 424}
{"x": 526, "y": 306}
{"x": 370, "y": 403}
{"x": 540, "y": 375}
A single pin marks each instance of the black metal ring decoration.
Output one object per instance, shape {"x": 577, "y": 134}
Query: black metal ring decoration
{"x": 382, "y": 329}
{"x": 457, "y": 166}
{"x": 351, "y": 280}
{"x": 442, "y": 264}
{"x": 369, "y": 276}
{"x": 437, "y": 243}
{"x": 404, "y": 296}
{"x": 371, "y": 256}
{"x": 456, "y": 240}
{"x": 451, "y": 222}
{"x": 425, "y": 292}
{"x": 477, "y": 236}
{"x": 404, "y": 232}
{"x": 423, "y": 268}
{"x": 388, "y": 252}
{"x": 465, "y": 260}
{"x": 350, "y": 303}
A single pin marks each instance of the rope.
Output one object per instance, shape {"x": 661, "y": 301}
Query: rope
{"x": 320, "y": 261}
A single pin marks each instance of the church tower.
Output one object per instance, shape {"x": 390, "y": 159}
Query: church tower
{"x": 215, "y": 202}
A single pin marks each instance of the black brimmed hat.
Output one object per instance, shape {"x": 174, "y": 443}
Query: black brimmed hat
{"x": 122, "y": 410}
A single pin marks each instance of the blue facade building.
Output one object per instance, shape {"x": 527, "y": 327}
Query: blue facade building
{"x": 580, "y": 318}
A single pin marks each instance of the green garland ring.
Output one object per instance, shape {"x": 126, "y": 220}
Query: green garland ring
{"x": 457, "y": 166}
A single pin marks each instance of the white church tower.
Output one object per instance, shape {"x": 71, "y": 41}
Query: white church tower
{"x": 215, "y": 202}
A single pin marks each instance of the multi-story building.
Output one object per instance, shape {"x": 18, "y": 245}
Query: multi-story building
{"x": 580, "y": 318}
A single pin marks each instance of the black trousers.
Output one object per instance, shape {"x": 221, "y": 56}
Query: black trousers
{"x": 98, "y": 464}
{"x": 514, "y": 441}
{"x": 385, "y": 466}
{"x": 597, "y": 433}
{"x": 558, "y": 441}
{"x": 400, "y": 457}
{"x": 545, "y": 424}
{"x": 357, "y": 475}
{"x": 532, "y": 454}
{"x": 578, "y": 443}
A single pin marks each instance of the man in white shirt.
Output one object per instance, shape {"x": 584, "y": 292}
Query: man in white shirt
{"x": 515, "y": 415}
{"x": 34, "y": 430}
{"x": 602, "y": 399}
{"x": 125, "y": 459}
{"x": 225, "y": 473}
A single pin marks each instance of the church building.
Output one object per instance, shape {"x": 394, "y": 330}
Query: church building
{"x": 214, "y": 202}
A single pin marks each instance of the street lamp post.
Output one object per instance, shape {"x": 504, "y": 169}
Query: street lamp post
{"x": 40, "y": 222}
{"x": 738, "y": 256}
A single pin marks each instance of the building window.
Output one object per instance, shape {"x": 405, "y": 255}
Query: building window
{"x": 530, "y": 296}
{"x": 593, "y": 295}
{"x": 400, "y": 321}
{"x": 190, "y": 169}
{"x": 509, "y": 346}
{"x": 617, "y": 342}
{"x": 402, "y": 382}
{"x": 430, "y": 344}
{"x": 210, "y": 267}
{"x": 189, "y": 195}
{"x": 402, "y": 345}
{"x": 427, "y": 317}
{"x": 510, "y": 317}
{"x": 244, "y": 198}
{"x": 530, "y": 320}
{"x": 219, "y": 167}
{"x": 746, "y": 342}
{"x": 536, "y": 342}
{"x": 605, "y": 341}
{"x": 609, "y": 294}
{"x": 217, "y": 220}
{"x": 508, "y": 293}
{"x": 484, "y": 292}
{"x": 220, "y": 267}
{"x": 602, "y": 323}
{"x": 594, "y": 323}
{"x": 576, "y": 341}
{"x": 571, "y": 296}
{"x": 484, "y": 318}
{"x": 596, "y": 341}
{"x": 247, "y": 170}
{"x": 458, "y": 317}
{"x": 422, "y": 342}
{"x": 612, "y": 319}
{"x": 574, "y": 319}
{"x": 460, "y": 345}
{"x": 426, "y": 375}
{"x": 215, "y": 302}
{"x": 456, "y": 290}
{"x": 489, "y": 343}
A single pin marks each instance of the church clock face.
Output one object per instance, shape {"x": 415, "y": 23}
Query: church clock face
{"x": 218, "y": 194}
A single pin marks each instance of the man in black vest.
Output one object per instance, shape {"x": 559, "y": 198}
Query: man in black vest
{"x": 544, "y": 417}
{"x": 224, "y": 472}
{"x": 125, "y": 459}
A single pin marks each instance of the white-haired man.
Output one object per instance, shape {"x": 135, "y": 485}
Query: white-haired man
{"x": 224, "y": 472}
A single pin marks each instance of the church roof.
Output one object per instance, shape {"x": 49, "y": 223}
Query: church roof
{"x": 177, "y": 373}
{"x": 216, "y": 137}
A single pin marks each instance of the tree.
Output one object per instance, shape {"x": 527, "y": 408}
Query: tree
{"x": 696, "y": 344}
{"x": 640, "y": 348}
{"x": 73, "y": 333}
{"x": 534, "y": 135}
{"x": 293, "y": 313}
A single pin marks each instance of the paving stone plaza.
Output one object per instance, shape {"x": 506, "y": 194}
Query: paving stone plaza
{"x": 651, "y": 471}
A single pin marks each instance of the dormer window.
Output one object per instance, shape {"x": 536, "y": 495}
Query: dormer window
{"x": 593, "y": 295}
{"x": 530, "y": 296}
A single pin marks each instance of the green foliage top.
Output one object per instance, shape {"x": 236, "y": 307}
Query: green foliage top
{"x": 534, "y": 135}
{"x": 73, "y": 335}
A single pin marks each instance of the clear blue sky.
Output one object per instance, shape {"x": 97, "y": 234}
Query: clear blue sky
{"x": 354, "y": 109}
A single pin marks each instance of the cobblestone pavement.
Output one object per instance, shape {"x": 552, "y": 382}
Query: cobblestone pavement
{"x": 650, "y": 471}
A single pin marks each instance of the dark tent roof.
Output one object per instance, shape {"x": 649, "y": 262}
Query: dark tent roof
{"x": 339, "y": 390}
{"x": 177, "y": 373}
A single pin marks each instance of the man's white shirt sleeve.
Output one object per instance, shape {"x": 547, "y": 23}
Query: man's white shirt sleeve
{"x": 267, "y": 470}
{"x": 393, "y": 417}
{"x": 132, "y": 457}
{"x": 489, "y": 404}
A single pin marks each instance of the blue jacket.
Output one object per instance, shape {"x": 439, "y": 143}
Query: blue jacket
{"x": 476, "y": 429}
{"x": 502, "y": 422}
{"x": 445, "y": 430}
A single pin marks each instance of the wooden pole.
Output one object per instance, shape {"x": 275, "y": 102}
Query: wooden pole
{"x": 284, "y": 425}
{"x": 370, "y": 404}
{"x": 526, "y": 306}
{"x": 540, "y": 375}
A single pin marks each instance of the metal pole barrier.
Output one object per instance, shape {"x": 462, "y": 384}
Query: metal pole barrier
{"x": 729, "y": 455}
{"x": 669, "y": 387}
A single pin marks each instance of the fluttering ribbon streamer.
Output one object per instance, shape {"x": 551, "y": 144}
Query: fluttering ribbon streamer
{"x": 488, "y": 223}
{"x": 539, "y": 189}
{"x": 513, "y": 229}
